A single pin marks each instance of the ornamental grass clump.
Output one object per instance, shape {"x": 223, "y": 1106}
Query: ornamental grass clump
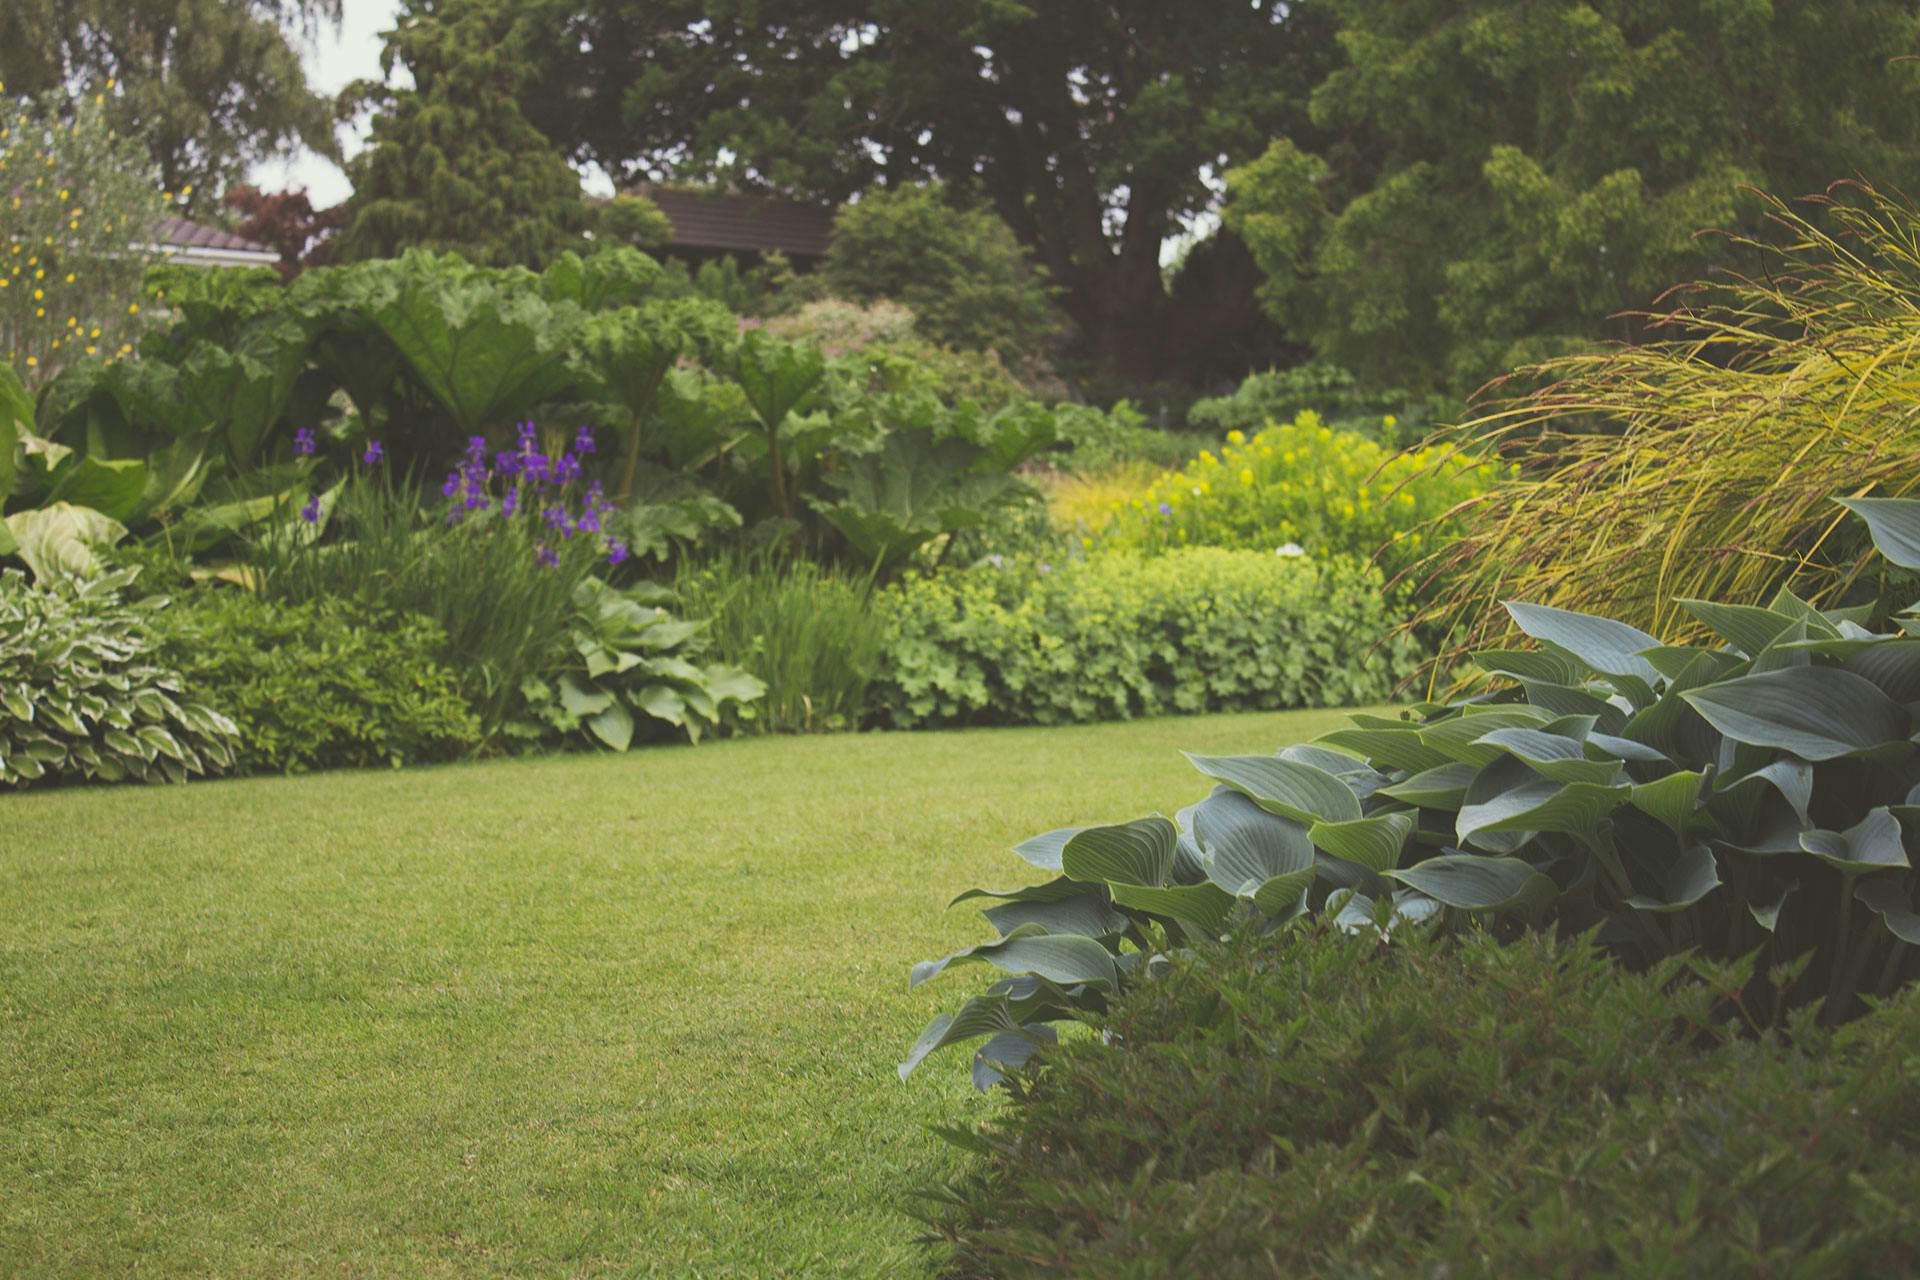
{"x": 1698, "y": 464}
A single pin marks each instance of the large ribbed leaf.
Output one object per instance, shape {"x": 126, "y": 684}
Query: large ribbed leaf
{"x": 1458, "y": 738}
{"x": 1444, "y": 787}
{"x": 1530, "y": 664}
{"x": 1552, "y": 755}
{"x": 1610, "y": 648}
{"x": 1286, "y": 787}
{"x": 1893, "y": 666}
{"x": 1137, "y": 852}
{"x": 1479, "y": 884}
{"x": 1871, "y": 844}
{"x": 1691, "y": 877}
{"x": 1818, "y": 713}
{"x": 1009, "y": 1049}
{"x": 1374, "y": 843}
{"x": 1890, "y": 899}
{"x": 1043, "y": 850}
{"x": 1894, "y": 524}
{"x": 1573, "y": 807}
{"x": 1201, "y": 906}
{"x": 1243, "y": 846}
{"x": 1671, "y": 800}
{"x": 1746, "y": 627}
{"x": 988, "y": 1015}
{"x": 1087, "y": 913}
{"x": 1397, "y": 748}
{"x": 1767, "y": 914}
{"x": 1065, "y": 958}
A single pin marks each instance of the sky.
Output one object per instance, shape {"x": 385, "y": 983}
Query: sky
{"x": 333, "y": 61}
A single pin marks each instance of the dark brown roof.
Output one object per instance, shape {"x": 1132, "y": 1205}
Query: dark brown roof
{"x": 713, "y": 220}
{"x": 180, "y": 233}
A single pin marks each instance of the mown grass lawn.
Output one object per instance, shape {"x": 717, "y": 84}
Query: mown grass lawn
{"x": 593, "y": 1015}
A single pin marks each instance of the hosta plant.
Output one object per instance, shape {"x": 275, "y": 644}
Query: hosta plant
{"x": 83, "y": 696}
{"x": 1760, "y": 795}
{"x": 630, "y": 662}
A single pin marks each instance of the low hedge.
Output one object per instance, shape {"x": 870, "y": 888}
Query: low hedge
{"x": 319, "y": 685}
{"x": 1316, "y": 1104}
{"x": 1120, "y": 635}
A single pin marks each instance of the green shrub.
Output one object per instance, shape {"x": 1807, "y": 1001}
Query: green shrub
{"x": 83, "y": 694}
{"x": 1319, "y": 1105}
{"x": 322, "y": 685}
{"x": 1117, "y": 635}
{"x": 1752, "y": 799}
{"x": 966, "y": 277}
{"x": 1332, "y": 492}
{"x": 808, "y": 632}
{"x": 1394, "y": 418}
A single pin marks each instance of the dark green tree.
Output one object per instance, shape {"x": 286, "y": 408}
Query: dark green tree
{"x": 965, "y": 277}
{"x": 452, "y": 164}
{"x": 211, "y": 86}
{"x": 1089, "y": 126}
{"x": 1496, "y": 181}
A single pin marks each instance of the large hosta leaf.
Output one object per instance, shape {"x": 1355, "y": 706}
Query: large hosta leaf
{"x": 1818, "y": 713}
{"x": 1201, "y": 906}
{"x": 1458, "y": 738}
{"x": 1243, "y": 847}
{"x": 1746, "y": 627}
{"x": 1891, "y": 899}
{"x": 989, "y": 1015}
{"x": 1444, "y": 787}
{"x": 1138, "y": 852}
{"x": 1671, "y": 800}
{"x": 1374, "y": 843}
{"x": 1088, "y": 913}
{"x": 1610, "y": 648}
{"x": 1397, "y": 748}
{"x": 1691, "y": 877}
{"x": 1043, "y": 850}
{"x": 1064, "y": 958}
{"x": 1544, "y": 805}
{"x": 1894, "y": 524}
{"x": 1286, "y": 787}
{"x": 1872, "y": 844}
{"x": 1479, "y": 884}
{"x": 1552, "y": 755}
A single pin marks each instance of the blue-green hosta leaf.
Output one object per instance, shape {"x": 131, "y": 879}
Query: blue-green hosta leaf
{"x": 1242, "y": 846}
{"x": 1792, "y": 778}
{"x": 1138, "y": 852}
{"x": 1088, "y": 913}
{"x": 1531, "y": 664}
{"x": 1202, "y": 907}
{"x": 581, "y": 701}
{"x": 1009, "y": 1049}
{"x": 1890, "y": 899}
{"x": 1474, "y": 883}
{"x": 1065, "y": 958}
{"x": 1818, "y": 713}
{"x": 1374, "y": 843}
{"x": 1043, "y": 850}
{"x": 1871, "y": 844}
{"x": 1572, "y": 807}
{"x": 1563, "y": 700}
{"x": 1362, "y": 777}
{"x": 1444, "y": 787}
{"x": 1054, "y": 890}
{"x": 1552, "y": 756}
{"x": 1767, "y": 914}
{"x": 1746, "y": 627}
{"x": 1610, "y": 648}
{"x": 1290, "y": 789}
{"x": 980, "y": 1016}
{"x": 1894, "y": 524}
{"x": 1628, "y": 749}
{"x": 1458, "y": 738}
{"x": 1893, "y": 666}
{"x": 1672, "y": 800}
{"x": 1397, "y": 748}
{"x": 1693, "y": 875}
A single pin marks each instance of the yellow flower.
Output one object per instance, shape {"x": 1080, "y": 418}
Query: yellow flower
{"x": 33, "y": 362}
{"x": 1236, "y": 437}
{"x": 1246, "y": 475}
{"x": 133, "y": 308}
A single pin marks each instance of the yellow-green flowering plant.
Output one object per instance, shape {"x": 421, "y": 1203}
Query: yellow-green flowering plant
{"x": 1296, "y": 486}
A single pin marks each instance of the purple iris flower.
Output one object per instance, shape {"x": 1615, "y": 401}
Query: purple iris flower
{"x": 476, "y": 448}
{"x": 303, "y": 443}
{"x": 311, "y": 512}
{"x": 555, "y": 517}
{"x": 526, "y": 435}
{"x": 616, "y": 552}
{"x": 547, "y": 556}
{"x": 583, "y": 443}
{"x": 507, "y": 463}
{"x": 474, "y": 501}
{"x": 589, "y": 521}
{"x": 1165, "y": 510}
{"x": 510, "y": 503}
{"x": 374, "y": 454}
{"x": 452, "y": 486}
{"x": 567, "y": 470}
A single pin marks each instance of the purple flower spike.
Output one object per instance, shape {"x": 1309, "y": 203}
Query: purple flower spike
{"x": 311, "y": 512}
{"x": 474, "y": 502}
{"x": 546, "y": 556}
{"x": 476, "y": 448}
{"x": 1165, "y": 510}
{"x": 526, "y": 435}
{"x": 374, "y": 454}
{"x": 589, "y": 521}
{"x": 616, "y": 552}
{"x": 452, "y": 486}
{"x": 303, "y": 443}
{"x": 554, "y": 516}
{"x": 583, "y": 443}
{"x": 510, "y": 503}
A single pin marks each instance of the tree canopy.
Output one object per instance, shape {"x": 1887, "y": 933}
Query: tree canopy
{"x": 1492, "y": 180}
{"x": 211, "y": 86}
{"x": 452, "y": 164}
{"x": 1089, "y": 126}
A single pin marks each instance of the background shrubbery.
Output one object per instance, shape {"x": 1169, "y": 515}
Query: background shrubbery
{"x": 1120, "y": 635}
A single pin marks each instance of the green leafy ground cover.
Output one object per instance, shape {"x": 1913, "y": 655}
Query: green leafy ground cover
{"x": 591, "y": 1015}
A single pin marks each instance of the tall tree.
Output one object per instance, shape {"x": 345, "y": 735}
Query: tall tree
{"x": 1090, "y": 126}
{"x": 211, "y": 86}
{"x": 452, "y": 164}
{"x": 1496, "y": 180}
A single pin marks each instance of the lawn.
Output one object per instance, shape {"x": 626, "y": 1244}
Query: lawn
{"x": 590, "y": 1015}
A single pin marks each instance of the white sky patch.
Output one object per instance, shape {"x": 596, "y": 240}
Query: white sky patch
{"x": 333, "y": 60}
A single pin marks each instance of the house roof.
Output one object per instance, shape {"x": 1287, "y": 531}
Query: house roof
{"x": 185, "y": 241}
{"x": 758, "y": 224}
